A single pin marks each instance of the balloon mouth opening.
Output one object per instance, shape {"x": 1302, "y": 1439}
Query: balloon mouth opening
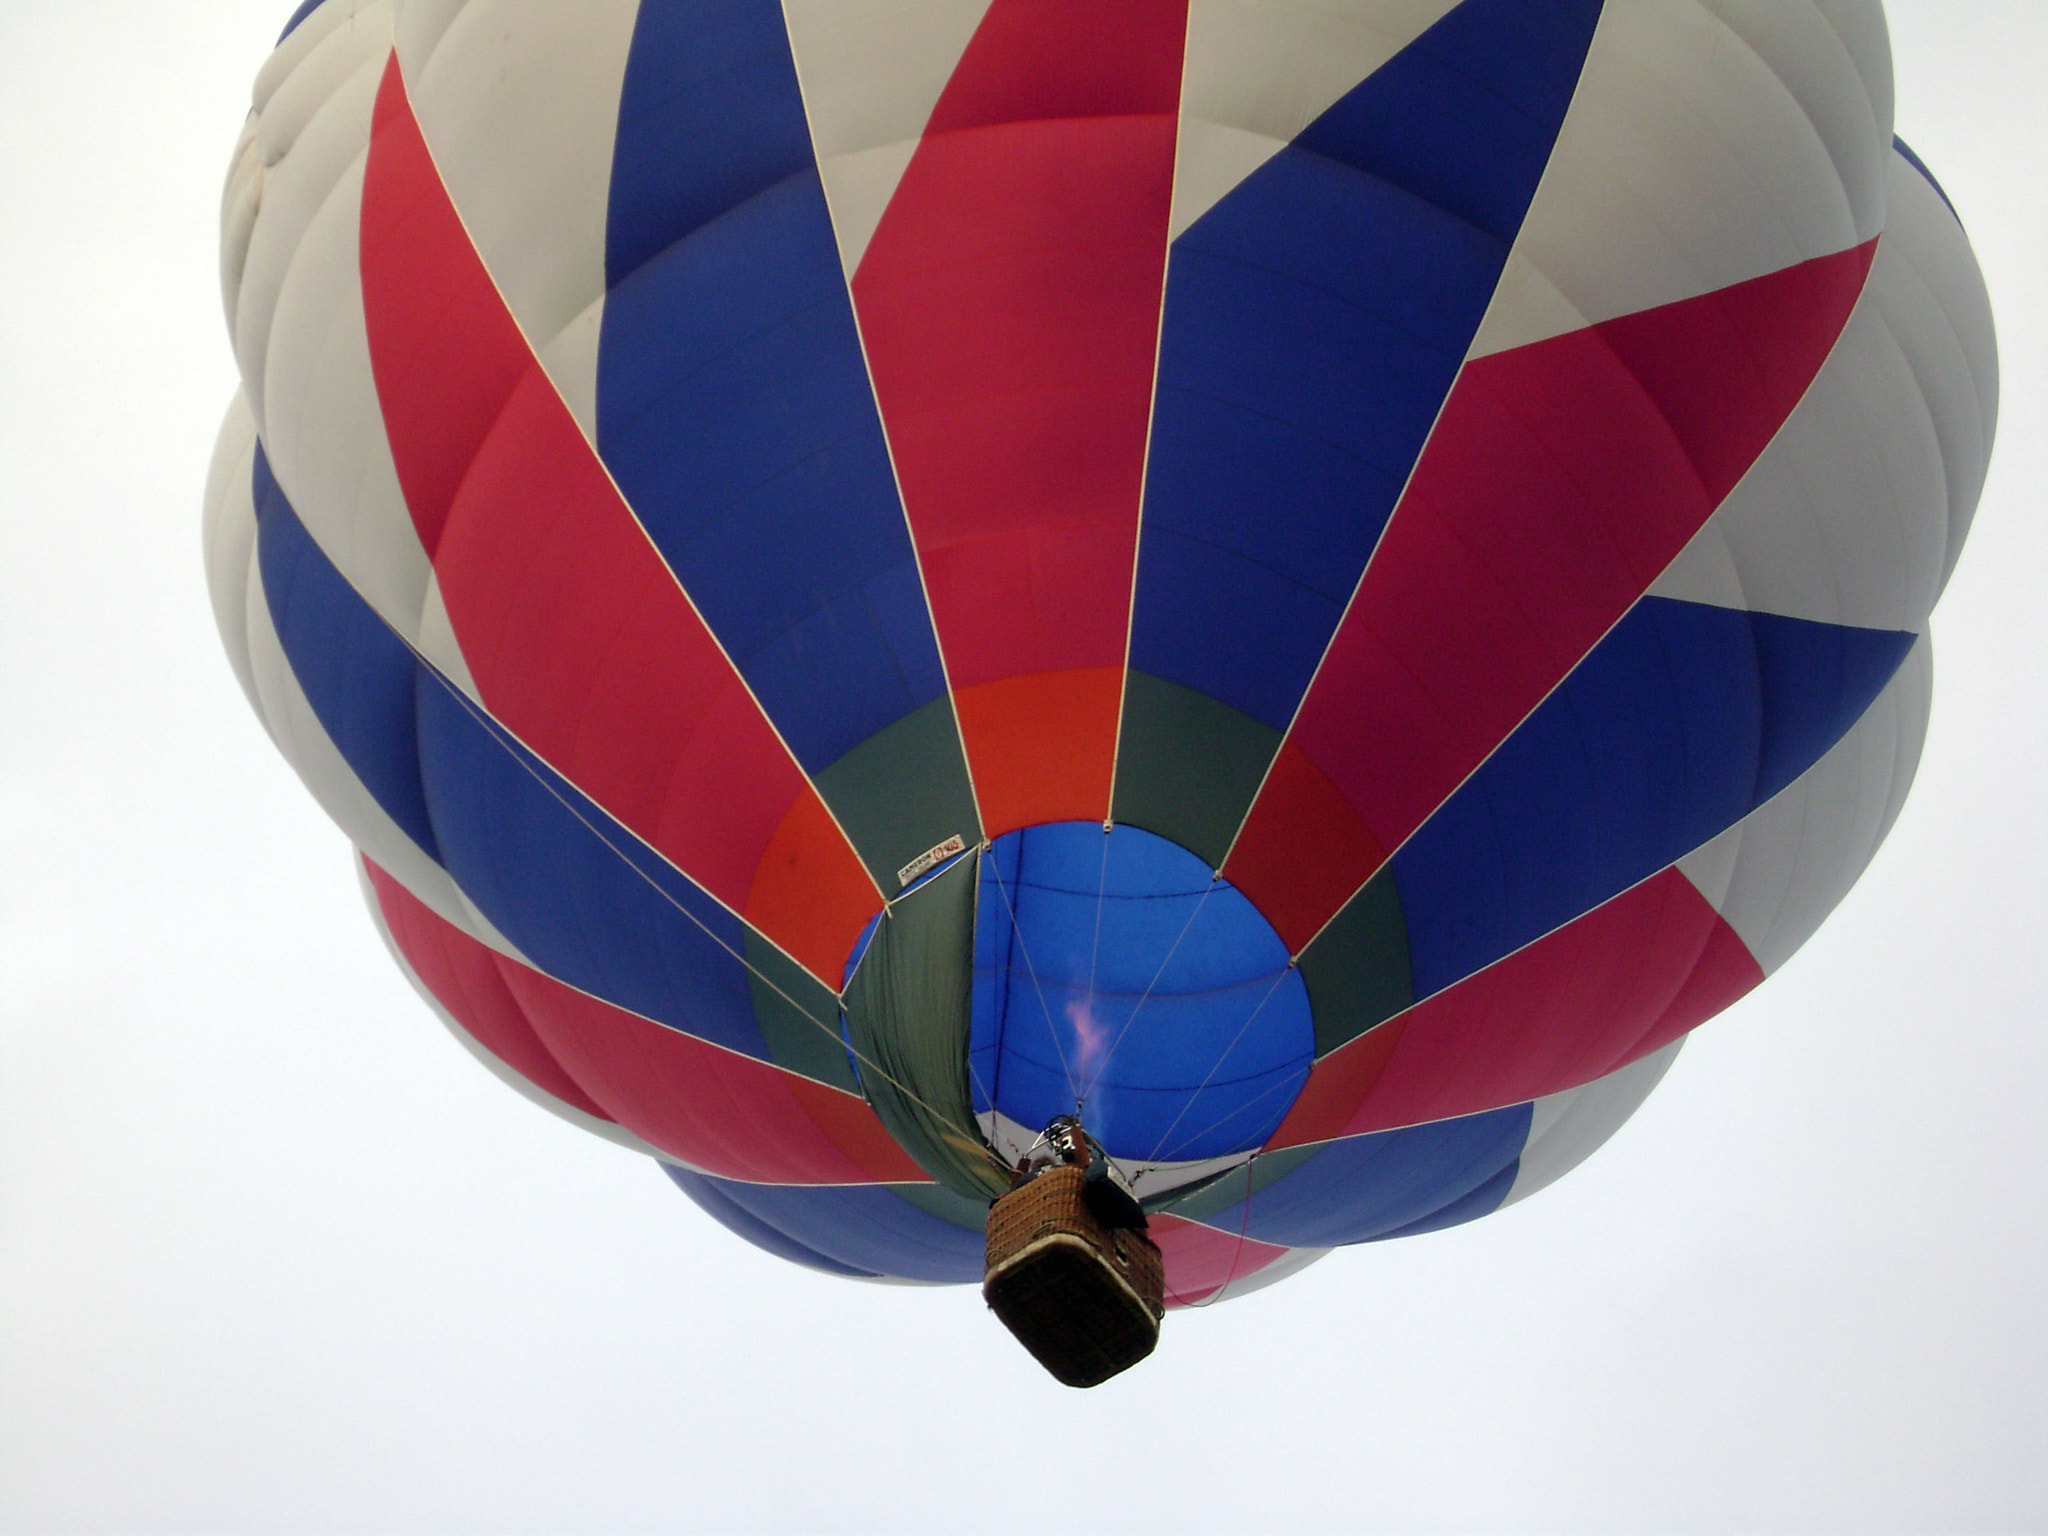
{"x": 1120, "y": 980}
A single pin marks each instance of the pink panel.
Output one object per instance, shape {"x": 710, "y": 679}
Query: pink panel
{"x": 461, "y": 975}
{"x": 718, "y": 1111}
{"x": 1622, "y": 981}
{"x": 1010, "y": 303}
{"x": 1560, "y": 481}
{"x": 1200, "y": 1260}
{"x": 575, "y": 631}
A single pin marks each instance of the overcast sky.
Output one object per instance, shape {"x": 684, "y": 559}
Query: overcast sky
{"x": 277, "y": 1255}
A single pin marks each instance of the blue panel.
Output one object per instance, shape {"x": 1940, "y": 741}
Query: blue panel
{"x": 709, "y": 115}
{"x": 298, "y": 16}
{"x": 1388, "y": 1183}
{"x": 861, "y": 1228}
{"x": 1315, "y": 319}
{"x": 1483, "y": 1201}
{"x": 734, "y": 407}
{"x": 1684, "y": 719}
{"x": 1117, "y": 970}
{"x": 710, "y": 1194}
{"x": 354, "y": 671}
{"x": 1817, "y": 680}
{"x": 580, "y": 896}
{"x": 1466, "y": 115}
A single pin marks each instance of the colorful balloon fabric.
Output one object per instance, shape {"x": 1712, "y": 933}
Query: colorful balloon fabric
{"x": 1315, "y": 580}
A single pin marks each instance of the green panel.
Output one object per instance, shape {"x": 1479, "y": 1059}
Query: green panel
{"x": 937, "y": 1200}
{"x": 903, "y": 791}
{"x": 1186, "y": 766}
{"x": 798, "y": 1017}
{"x": 908, "y": 1012}
{"x": 1357, "y": 969}
{"x": 1218, "y": 1195}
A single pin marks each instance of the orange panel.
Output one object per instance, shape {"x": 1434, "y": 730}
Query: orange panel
{"x": 1043, "y": 747}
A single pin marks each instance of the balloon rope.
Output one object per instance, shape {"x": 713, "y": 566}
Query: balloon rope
{"x": 1094, "y": 953}
{"x": 1215, "y": 1067}
{"x": 492, "y": 728}
{"x": 1264, "y": 1093}
{"x": 1017, "y": 932}
{"x": 1237, "y": 1254}
{"x": 1144, "y": 997}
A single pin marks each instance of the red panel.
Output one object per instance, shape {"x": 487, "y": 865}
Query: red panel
{"x": 1303, "y": 861}
{"x": 1620, "y": 982}
{"x": 1200, "y": 1261}
{"x": 445, "y": 352}
{"x": 718, "y": 1111}
{"x": 578, "y": 637}
{"x": 1010, "y": 303}
{"x": 463, "y": 978}
{"x": 1560, "y": 481}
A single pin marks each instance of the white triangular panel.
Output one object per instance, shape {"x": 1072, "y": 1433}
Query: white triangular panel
{"x": 1260, "y": 71}
{"x": 323, "y": 424}
{"x": 871, "y": 72}
{"x": 1847, "y": 517}
{"x": 1567, "y": 1128}
{"x": 1710, "y": 142}
{"x": 1776, "y": 875}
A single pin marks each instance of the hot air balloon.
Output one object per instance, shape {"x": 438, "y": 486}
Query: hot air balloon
{"x": 1281, "y": 595}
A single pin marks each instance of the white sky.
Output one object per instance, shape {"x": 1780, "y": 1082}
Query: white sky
{"x": 277, "y": 1255}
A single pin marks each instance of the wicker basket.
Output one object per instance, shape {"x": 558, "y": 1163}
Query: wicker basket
{"x": 1084, "y": 1298}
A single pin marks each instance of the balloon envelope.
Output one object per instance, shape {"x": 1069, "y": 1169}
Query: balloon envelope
{"x": 1314, "y": 583}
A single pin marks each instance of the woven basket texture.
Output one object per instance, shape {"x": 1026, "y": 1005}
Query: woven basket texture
{"x": 1085, "y": 1299}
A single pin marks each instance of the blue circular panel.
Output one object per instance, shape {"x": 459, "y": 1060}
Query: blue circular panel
{"x": 1115, "y": 976}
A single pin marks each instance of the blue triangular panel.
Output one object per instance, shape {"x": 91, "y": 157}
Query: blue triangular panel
{"x": 1315, "y": 319}
{"x": 1683, "y": 720}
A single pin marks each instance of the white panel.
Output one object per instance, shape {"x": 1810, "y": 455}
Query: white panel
{"x": 324, "y": 429}
{"x": 1849, "y": 514}
{"x": 305, "y": 347}
{"x": 240, "y": 196}
{"x": 291, "y": 194}
{"x": 1777, "y": 874}
{"x": 1567, "y": 1128}
{"x": 1844, "y": 518}
{"x": 1948, "y": 337}
{"x": 437, "y": 642}
{"x": 230, "y": 538}
{"x": 609, "y": 1130}
{"x": 361, "y": 37}
{"x": 312, "y": 34}
{"x": 519, "y": 105}
{"x": 1260, "y": 71}
{"x": 1708, "y": 144}
{"x": 419, "y": 26}
{"x": 571, "y": 361}
{"x": 319, "y": 59}
{"x": 320, "y": 766}
{"x": 871, "y": 72}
